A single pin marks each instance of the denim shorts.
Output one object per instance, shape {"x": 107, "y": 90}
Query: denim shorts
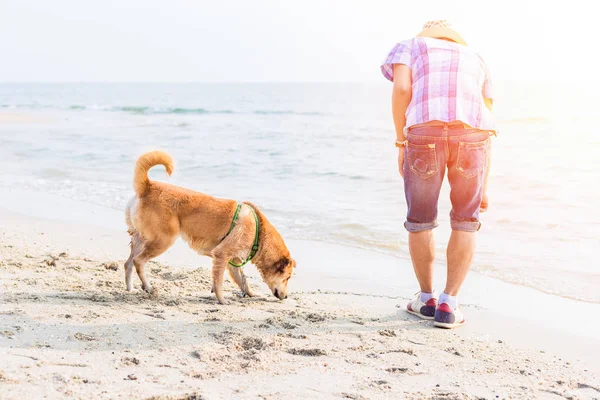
{"x": 432, "y": 149}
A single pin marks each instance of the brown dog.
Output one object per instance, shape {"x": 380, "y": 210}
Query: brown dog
{"x": 160, "y": 212}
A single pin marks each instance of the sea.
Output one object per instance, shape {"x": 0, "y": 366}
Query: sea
{"x": 319, "y": 160}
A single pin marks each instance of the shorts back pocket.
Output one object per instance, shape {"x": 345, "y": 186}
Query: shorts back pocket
{"x": 422, "y": 159}
{"x": 472, "y": 158}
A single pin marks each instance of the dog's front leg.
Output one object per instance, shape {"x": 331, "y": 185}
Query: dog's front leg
{"x": 128, "y": 274}
{"x": 237, "y": 274}
{"x": 218, "y": 270}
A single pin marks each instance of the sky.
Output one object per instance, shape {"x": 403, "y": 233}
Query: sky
{"x": 278, "y": 40}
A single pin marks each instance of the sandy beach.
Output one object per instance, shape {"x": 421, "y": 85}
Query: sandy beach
{"x": 68, "y": 329}
{"x": 295, "y": 107}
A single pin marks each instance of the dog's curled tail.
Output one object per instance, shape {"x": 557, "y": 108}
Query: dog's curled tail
{"x": 144, "y": 163}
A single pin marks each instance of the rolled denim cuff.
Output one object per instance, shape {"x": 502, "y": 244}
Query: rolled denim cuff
{"x": 465, "y": 226}
{"x": 419, "y": 227}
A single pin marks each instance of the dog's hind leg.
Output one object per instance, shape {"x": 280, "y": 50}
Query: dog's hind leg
{"x": 237, "y": 274}
{"x": 149, "y": 251}
{"x": 136, "y": 248}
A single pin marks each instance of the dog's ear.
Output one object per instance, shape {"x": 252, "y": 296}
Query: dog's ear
{"x": 280, "y": 265}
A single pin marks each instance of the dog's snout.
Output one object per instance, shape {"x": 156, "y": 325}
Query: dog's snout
{"x": 279, "y": 294}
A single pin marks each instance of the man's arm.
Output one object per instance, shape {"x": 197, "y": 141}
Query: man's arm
{"x": 401, "y": 96}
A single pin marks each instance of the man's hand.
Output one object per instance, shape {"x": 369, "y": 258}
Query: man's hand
{"x": 484, "y": 203}
{"x": 401, "y": 161}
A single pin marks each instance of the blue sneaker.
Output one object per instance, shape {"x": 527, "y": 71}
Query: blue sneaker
{"x": 447, "y": 318}
{"x": 420, "y": 309}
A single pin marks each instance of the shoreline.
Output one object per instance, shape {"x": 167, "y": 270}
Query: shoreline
{"x": 326, "y": 267}
{"x": 69, "y": 209}
{"x": 329, "y": 268}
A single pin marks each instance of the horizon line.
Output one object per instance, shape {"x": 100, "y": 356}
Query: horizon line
{"x": 378, "y": 81}
{"x": 182, "y": 82}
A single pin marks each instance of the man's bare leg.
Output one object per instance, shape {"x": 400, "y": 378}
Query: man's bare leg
{"x": 422, "y": 253}
{"x": 460, "y": 254}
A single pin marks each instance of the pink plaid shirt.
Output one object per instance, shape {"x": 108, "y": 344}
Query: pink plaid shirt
{"x": 449, "y": 82}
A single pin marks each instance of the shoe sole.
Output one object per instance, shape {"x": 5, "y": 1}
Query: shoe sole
{"x": 447, "y": 325}
{"x": 419, "y": 314}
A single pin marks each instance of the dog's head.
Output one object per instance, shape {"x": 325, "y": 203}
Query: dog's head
{"x": 273, "y": 259}
{"x": 277, "y": 275}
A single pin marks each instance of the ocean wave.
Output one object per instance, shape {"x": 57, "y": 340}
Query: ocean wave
{"x": 285, "y": 112}
{"x": 159, "y": 110}
{"x": 181, "y": 110}
{"x": 340, "y": 175}
{"x": 150, "y": 110}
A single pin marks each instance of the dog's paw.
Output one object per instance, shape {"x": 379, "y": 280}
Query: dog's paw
{"x": 148, "y": 288}
{"x": 223, "y": 302}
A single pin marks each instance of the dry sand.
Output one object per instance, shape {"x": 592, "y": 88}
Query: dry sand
{"x": 68, "y": 329}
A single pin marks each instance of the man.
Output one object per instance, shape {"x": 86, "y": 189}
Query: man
{"x": 441, "y": 104}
